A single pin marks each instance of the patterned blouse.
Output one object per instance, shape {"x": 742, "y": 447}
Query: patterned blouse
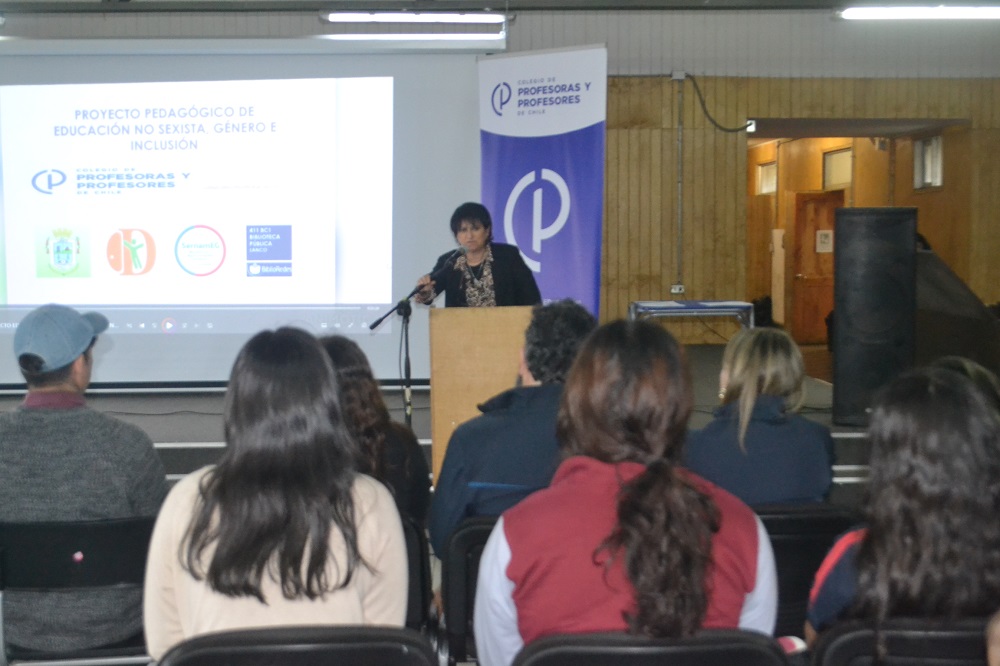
{"x": 477, "y": 281}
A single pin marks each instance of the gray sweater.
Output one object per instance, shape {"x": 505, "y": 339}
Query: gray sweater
{"x": 74, "y": 464}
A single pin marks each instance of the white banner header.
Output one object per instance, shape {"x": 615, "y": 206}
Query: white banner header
{"x": 544, "y": 92}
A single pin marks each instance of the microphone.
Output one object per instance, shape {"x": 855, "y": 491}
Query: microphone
{"x": 448, "y": 263}
{"x": 439, "y": 273}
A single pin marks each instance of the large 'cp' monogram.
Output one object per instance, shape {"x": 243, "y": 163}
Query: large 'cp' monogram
{"x": 539, "y": 232}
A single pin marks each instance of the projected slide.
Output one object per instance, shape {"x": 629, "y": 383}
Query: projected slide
{"x": 235, "y": 194}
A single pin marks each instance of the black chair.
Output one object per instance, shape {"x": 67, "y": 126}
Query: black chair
{"x": 346, "y": 645}
{"x": 801, "y": 536}
{"x": 707, "y": 648}
{"x": 459, "y": 570}
{"x": 418, "y": 554}
{"x": 905, "y": 642}
{"x": 55, "y": 556}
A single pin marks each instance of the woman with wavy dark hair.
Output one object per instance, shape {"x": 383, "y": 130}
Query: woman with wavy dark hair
{"x": 757, "y": 447}
{"x": 624, "y": 538}
{"x": 283, "y": 530}
{"x": 931, "y": 545}
{"x": 389, "y": 450}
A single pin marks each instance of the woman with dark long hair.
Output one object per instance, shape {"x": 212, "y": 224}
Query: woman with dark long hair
{"x": 931, "y": 545}
{"x": 389, "y": 450}
{"x": 283, "y": 530}
{"x": 757, "y": 447}
{"x": 624, "y": 538}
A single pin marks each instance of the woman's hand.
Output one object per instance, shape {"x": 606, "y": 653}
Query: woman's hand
{"x": 426, "y": 293}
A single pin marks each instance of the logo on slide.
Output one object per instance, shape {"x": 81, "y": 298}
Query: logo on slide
{"x": 501, "y": 97}
{"x": 200, "y": 250}
{"x": 539, "y": 232}
{"x": 131, "y": 252}
{"x": 48, "y": 180}
{"x": 61, "y": 255}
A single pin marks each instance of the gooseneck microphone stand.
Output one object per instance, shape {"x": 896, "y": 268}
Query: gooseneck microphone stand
{"x": 404, "y": 309}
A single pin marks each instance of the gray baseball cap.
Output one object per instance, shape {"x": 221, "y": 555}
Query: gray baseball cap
{"x": 57, "y": 334}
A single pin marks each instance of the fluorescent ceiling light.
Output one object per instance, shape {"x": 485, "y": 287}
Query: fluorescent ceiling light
{"x": 414, "y": 17}
{"x": 417, "y": 37}
{"x": 921, "y": 13}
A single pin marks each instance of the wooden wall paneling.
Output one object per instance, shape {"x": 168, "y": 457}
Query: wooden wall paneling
{"x": 716, "y": 199}
{"x": 985, "y": 227}
{"x": 871, "y": 173}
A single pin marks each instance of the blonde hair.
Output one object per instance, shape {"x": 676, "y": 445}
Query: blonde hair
{"x": 762, "y": 361}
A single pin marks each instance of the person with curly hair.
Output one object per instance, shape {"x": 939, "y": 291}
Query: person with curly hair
{"x": 623, "y": 539}
{"x": 757, "y": 447}
{"x": 509, "y": 451}
{"x": 390, "y": 451}
{"x": 930, "y": 546}
{"x": 284, "y": 530}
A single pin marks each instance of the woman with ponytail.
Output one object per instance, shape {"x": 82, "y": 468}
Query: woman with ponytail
{"x": 624, "y": 539}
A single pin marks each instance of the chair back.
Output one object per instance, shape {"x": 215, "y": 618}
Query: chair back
{"x": 73, "y": 555}
{"x": 801, "y": 535}
{"x": 707, "y": 648}
{"x": 418, "y": 555}
{"x": 459, "y": 571}
{"x": 63, "y": 555}
{"x": 905, "y": 642}
{"x": 305, "y": 646}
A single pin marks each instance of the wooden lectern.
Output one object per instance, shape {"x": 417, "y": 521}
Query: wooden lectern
{"x": 474, "y": 355}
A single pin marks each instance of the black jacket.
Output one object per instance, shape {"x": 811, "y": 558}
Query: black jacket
{"x": 513, "y": 282}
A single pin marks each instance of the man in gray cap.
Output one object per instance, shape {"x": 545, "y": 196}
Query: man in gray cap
{"x": 61, "y": 461}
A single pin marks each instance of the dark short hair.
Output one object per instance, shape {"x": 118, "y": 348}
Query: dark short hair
{"x": 473, "y": 211}
{"x": 553, "y": 339}
{"x": 31, "y": 369}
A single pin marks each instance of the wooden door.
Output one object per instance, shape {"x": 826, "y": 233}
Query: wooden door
{"x": 812, "y": 264}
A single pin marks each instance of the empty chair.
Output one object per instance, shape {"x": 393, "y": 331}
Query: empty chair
{"x": 801, "y": 536}
{"x": 903, "y": 642}
{"x": 344, "y": 645}
{"x": 55, "y": 556}
{"x": 707, "y": 648}
{"x": 460, "y": 568}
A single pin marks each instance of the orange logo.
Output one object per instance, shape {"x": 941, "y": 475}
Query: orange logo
{"x": 131, "y": 252}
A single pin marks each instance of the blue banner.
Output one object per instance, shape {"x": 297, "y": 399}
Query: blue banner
{"x": 542, "y": 120}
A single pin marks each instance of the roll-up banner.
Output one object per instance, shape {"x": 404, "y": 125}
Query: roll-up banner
{"x": 542, "y": 128}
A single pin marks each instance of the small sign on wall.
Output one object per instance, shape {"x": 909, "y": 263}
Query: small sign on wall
{"x": 824, "y": 241}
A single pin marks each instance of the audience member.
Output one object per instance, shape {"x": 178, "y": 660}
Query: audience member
{"x": 390, "y": 451}
{"x": 62, "y": 461}
{"x": 756, "y": 447}
{"x": 931, "y": 545}
{"x": 623, "y": 538}
{"x": 284, "y": 530}
{"x": 510, "y": 451}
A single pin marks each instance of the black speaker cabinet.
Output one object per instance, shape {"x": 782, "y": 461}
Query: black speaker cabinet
{"x": 875, "y": 303}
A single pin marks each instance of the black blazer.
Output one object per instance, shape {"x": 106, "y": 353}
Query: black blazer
{"x": 513, "y": 281}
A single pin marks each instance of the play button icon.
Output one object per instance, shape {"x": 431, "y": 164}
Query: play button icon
{"x": 168, "y": 325}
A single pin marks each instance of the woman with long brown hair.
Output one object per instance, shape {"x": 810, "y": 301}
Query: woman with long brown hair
{"x": 930, "y": 546}
{"x": 624, "y": 538}
{"x": 389, "y": 450}
{"x": 284, "y": 530}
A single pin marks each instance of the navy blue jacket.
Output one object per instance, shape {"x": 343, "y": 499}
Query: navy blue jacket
{"x": 496, "y": 459}
{"x": 788, "y": 458}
